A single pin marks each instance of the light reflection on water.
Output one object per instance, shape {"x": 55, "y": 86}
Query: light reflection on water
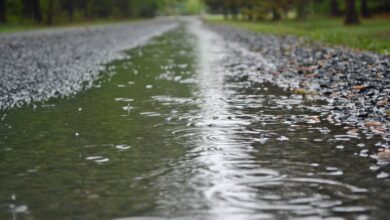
{"x": 176, "y": 133}
{"x": 229, "y": 177}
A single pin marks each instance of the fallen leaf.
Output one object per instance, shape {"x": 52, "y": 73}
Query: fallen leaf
{"x": 351, "y": 96}
{"x": 359, "y": 87}
{"x": 379, "y": 131}
{"x": 353, "y": 131}
{"x": 384, "y": 153}
{"x": 312, "y": 75}
{"x": 372, "y": 124}
{"x": 315, "y": 118}
{"x": 382, "y": 103}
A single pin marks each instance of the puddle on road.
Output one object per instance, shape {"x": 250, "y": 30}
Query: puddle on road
{"x": 169, "y": 133}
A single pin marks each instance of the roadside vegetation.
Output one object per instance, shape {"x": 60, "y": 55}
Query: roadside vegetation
{"x": 362, "y": 24}
{"x": 359, "y": 24}
{"x": 17, "y": 15}
{"x": 373, "y": 34}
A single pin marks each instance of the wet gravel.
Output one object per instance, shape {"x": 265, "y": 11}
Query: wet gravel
{"x": 38, "y": 65}
{"x": 354, "y": 84}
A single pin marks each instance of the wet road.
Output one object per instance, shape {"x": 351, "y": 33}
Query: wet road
{"x": 172, "y": 132}
{"x": 59, "y": 62}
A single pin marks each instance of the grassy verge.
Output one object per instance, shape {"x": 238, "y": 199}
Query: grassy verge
{"x": 7, "y": 28}
{"x": 15, "y": 27}
{"x": 373, "y": 34}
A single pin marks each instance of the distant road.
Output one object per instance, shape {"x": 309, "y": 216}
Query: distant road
{"x": 38, "y": 65}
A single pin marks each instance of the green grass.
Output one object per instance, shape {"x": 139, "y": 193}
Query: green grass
{"x": 6, "y": 28}
{"x": 373, "y": 34}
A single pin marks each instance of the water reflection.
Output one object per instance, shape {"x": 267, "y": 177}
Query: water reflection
{"x": 248, "y": 147}
{"x": 180, "y": 133}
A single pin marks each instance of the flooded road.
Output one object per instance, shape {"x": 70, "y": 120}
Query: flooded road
{"x": 171, "y": 132}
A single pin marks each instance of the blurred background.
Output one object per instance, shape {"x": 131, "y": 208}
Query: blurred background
{"x": 64, "y": 11}
{"x": 359, "y": 24}
{"x": 61, "y": 11}
{"x": 323, "y": 20}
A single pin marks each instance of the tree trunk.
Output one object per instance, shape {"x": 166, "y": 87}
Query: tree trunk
{"x": 276, "y": 16}
{"x": 125, "y": 8}
{"x": 3, "y": 11}
{"x": 36, "y": 10}
{"x": 352, "y": 17}
{"x": 234, "y": 12}
{"x": 301, "y": 10}
{"x": 70, "y": 9}
{"x": 334, "y": 7}
{"x": 27, "y": 9}
{"x": 364, "y": 9}
{"x": 250, "y": 16}
{"x": 83, "y": 6}
{"x": 250, "y": 13}
{"x": 386, "y": 6}
{"x": 225, "y": 14}
{"x": 50, "y": 12}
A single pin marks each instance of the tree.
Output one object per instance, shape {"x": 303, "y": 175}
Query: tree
{"x": 32, "y": 10}
{"x": 365, "y": 12}
{"x": 83, "y": 6}
{"x": 334, "y": 8}
{"x": 302, "y": 9}
{"x": 124, "y": 7}
{"x": 69, "y": 6}
{"x": 351, "y": 17}
{"x": 3, "y": 11}
{"x": 50, "y": 12}
{"x": 278, "y": 8}
{"x": 386, "y": 6}
{"x": 36, "y": 8}
{"x": 214, "y": 6}
{"x": 276, "y": 16}
{"x": 101, "y": 8}
{"x": 27, "y": 11}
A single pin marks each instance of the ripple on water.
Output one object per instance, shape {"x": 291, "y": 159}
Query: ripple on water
{"x": 238, "y": 160}
{"x": 150, "y": 114}
{"x": 169, "y": 100}
{"x": 213, "y": 136}
{"x": 98, "y": 159}
{"x": 127, "y": 108}
{"x": 123, "y": 100}
{"x": 18, "y": 208}
{"x": 122, "y": 147}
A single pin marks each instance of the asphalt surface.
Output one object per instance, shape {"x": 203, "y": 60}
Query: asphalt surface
{"x": 38, "y": 65}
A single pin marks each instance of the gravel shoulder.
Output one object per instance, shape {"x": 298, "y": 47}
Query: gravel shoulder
{"x": 38, "y": 65}
{"x": 354, "y": 84}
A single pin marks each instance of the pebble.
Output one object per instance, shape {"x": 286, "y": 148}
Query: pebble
{"x": 355, "y": 84}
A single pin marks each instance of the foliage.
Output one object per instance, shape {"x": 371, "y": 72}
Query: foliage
{"x": 193, "y": 6}
{"x": 276, "y": 10}
{"x": 373, "y": 34}
{"x": 65, "y": 11}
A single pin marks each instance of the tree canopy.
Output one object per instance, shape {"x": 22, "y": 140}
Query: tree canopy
{"x": 276, "y": 10}
{"x": 57, "y": 11}
{"x": 54, "y": 11}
